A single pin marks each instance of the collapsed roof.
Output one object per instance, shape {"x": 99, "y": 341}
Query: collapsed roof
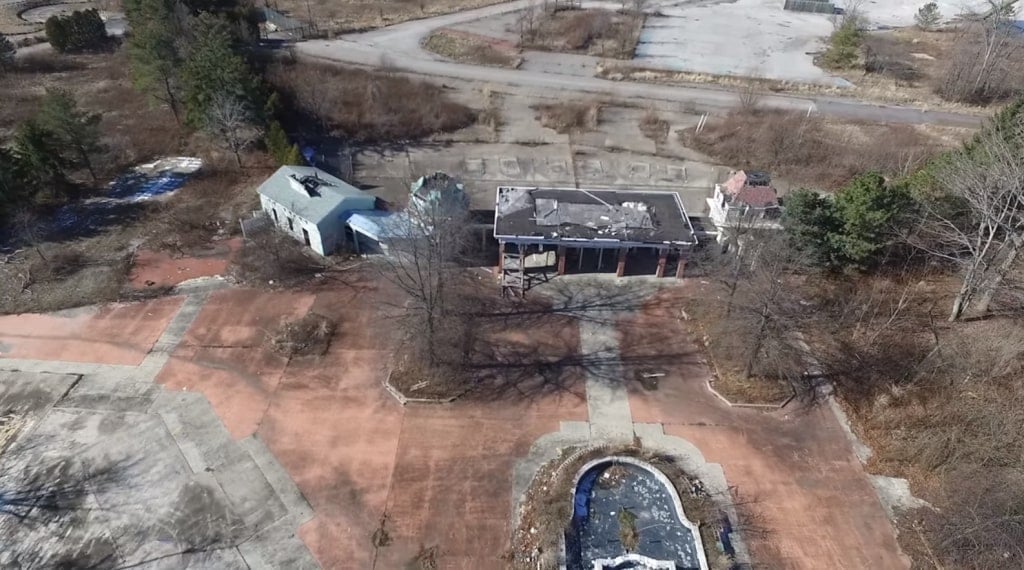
{"x": 557, "y": 214}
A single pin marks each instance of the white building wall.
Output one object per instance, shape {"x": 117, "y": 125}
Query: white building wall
{"x": 316, "y": 241}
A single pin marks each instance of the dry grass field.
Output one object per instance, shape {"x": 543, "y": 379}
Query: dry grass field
{"x": 338, "y": 16}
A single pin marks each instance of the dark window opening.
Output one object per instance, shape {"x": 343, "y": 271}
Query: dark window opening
{"x": 305, "y": 236}
{"x": 291, "y": 227}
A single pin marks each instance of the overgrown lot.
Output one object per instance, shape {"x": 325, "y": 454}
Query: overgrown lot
{"x": 816, "y": 152}
{"x": 132, "y": 128}
{"x": 49, "y": 265}
{"x": 473, "y": 48}
{"x": 370, "y": 107}
{"x": 330, "y": 17}
{"x": 969, "y": 63}
{"x": 598, "y": 32}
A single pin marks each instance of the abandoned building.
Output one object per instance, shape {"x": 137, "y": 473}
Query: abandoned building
{"x": 746, "y": 200}
{"x": 312, "y": 205}
{"x": 537, "y": 228}
{"x": 370, "y": 232}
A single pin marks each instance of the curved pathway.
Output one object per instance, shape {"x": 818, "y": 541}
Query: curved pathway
{"x": 399, "y": 47}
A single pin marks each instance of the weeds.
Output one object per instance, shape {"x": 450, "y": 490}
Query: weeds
{"x": 309, "y": 336}
{"x": 569, "y": 117}
{"x": 811, "y": 151}
{"x": 368, "y": 106}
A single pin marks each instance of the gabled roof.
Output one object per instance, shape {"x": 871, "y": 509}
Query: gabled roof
{"x": 313, "y": 194}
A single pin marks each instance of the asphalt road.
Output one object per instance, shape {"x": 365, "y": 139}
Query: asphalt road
{"x": 398, "y": 47}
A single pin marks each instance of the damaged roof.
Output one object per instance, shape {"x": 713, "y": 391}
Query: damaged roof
{"x": 555, "y": 214}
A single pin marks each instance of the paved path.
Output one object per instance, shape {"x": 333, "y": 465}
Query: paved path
{"x": 399, "y": 47}
{"x": 197, "y": 496}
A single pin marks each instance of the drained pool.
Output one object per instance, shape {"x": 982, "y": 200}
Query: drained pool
{"x": 627, "y": 512}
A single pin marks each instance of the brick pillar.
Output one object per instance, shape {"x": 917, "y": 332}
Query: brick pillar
{"x": 621, "y": 269}
{"x": 561, "y": 260}
{"x": 662, "y": 261}
{"x": 681, "y": 267}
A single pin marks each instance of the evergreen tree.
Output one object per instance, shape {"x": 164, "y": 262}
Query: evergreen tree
{"x": 57, "y": 33}
{"x": 869, "y": 210}
{"x": 75, "y": 131}
{"x": 277, "y": 142}
{"x": 79, "y": 31}
{"x": 40, "y": 164}
{"x": 851, "y": 231}
{"x": 213, "y": 69}
{"x": 844, "y": 46}
{"x": 810, "y": 220}
{"x": 928, "y": 16}
{"x": 7, "y": 52}
{"x": 154, "y": 49}
{"x": 294, "y": 156}
{"x": 11, "y": 189}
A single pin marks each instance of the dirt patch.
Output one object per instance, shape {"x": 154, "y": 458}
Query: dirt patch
{"x": 596, "y": 32}
{"x": 472, "y": 48}
{"x": 158, "y": 269}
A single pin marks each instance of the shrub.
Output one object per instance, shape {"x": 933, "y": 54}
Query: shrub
{"x": 274, "y": 258}
{"x": 654, "y": 127}
{"x": 844, "y": 47}
{"x": 82, "y": 30}
{"x": 308, "y": 336}
{"x": 851, "y": 231}
{"x": 569, "y": 117}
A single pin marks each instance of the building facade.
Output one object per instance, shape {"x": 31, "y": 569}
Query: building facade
{"x": 312, "y": 205}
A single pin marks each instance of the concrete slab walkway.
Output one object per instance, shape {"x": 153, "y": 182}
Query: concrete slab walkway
{"x": 176, "y": 486}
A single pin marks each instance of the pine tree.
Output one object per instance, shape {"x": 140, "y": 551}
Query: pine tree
{"x": 294, "y": 156}
{"x": 40, "y": 163}
{"x": 7, "y": 52}
{"x": 844, "y": 47}
{"x": 75, "y": 131}
{"x": 213, "y": 70}
{"x": 277, "y": 142}
{"x": 928, "y": 16}
{"x": 154, "y": 49}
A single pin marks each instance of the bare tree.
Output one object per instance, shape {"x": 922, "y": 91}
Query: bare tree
{"x": 232, "y": 124}
{"x": 527, "y": 22}
{"x": 978, "y": 220}
{"x": 426, "y": 240}
{"x": 765, "y": 300}
{"x": 981, "y": 66}
{"x": 749, "y": 94}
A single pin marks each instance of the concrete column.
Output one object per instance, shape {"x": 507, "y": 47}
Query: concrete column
{"x": 662, "y": 261}
{"x": 561, "y": 260}
{"x": 681, "y": 267}
{"x": 621, "y": 269}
